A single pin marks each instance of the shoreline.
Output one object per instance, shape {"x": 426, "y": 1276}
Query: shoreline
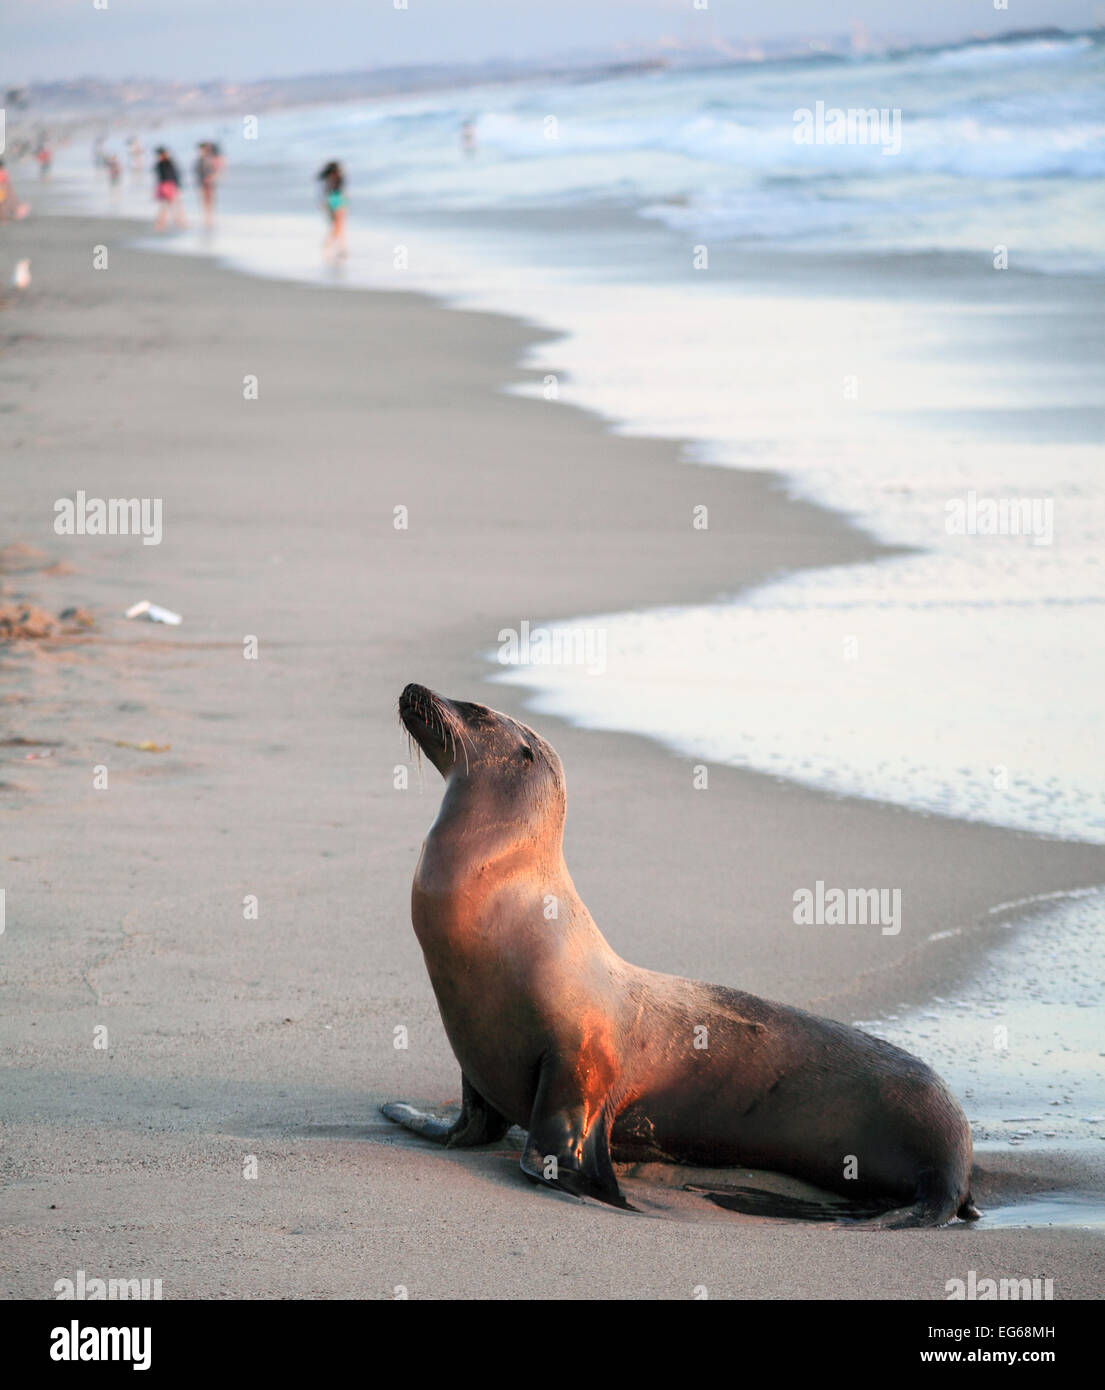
{"x": 260, "y": 773}
{"x": 1003, "y": 617}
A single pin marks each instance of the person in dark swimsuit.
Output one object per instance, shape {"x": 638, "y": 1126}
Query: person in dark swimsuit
{"x": 209, "y": 165}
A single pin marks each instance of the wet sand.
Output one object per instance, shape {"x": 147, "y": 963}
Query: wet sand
{"x": 273, "y": 1037}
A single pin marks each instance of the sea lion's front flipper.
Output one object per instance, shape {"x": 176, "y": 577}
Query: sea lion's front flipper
{"x": 563, "y": 1149}
{"x": 478, "y": 1122}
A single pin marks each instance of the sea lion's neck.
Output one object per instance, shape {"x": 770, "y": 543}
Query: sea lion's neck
{"x": 476, "y": 836}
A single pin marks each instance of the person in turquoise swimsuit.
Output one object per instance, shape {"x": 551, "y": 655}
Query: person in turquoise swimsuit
{"x": 333, "y": 190}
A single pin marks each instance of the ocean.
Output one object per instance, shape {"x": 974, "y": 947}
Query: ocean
{"x": 902, "y": 323}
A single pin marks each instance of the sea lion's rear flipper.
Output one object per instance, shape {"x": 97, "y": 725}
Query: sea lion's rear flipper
{"x": 938, "y": 1201}
{"x": 755, "y": 1201}
{"x": 936, "y": 1204}
{"x": 478, "y": 1122}
{"x": 562, "y": 1149}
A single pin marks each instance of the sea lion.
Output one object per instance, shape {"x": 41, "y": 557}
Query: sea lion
{"x": 600, "y": 1060}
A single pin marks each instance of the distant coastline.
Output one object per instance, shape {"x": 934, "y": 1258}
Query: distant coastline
{"x": 69, "y": 104}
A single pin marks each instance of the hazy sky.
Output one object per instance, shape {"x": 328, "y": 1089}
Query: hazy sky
{"x": 48, "y": 39}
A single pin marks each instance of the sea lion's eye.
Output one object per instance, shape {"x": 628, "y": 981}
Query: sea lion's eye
{"x": 526, "y": 752}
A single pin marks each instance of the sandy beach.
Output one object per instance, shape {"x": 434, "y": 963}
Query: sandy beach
{"x": 227, "y": 1038}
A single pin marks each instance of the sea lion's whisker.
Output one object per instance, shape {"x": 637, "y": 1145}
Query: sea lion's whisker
{"x": 452, "y": 731}
{"x": 465, "y": 741}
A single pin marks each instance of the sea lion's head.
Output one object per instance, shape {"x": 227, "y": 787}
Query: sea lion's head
{"x": 484, "y": 749}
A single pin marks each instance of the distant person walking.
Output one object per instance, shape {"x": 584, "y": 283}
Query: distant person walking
{"x": 45, "y": 157}
{"x": 167, "y": 178}
{"x": 468, "y": 136}
{"x": 11, "y": 209}
{"x": 335, "y": 203}
{"x": 7, "y": 194}
{"x": 207, "y": 170}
